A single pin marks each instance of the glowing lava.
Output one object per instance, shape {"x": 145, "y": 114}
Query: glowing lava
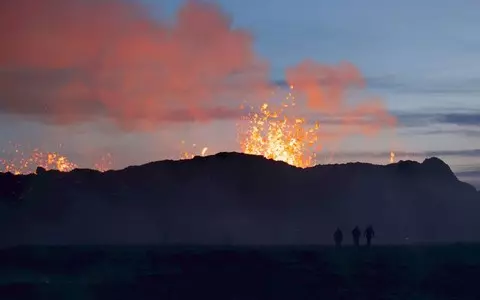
{"x": 392, "y": 157}
{"x": 27, "y": 163}
{"x": 274, "y": 135}
{"x": 18, "y": 161}
{"x": 189, "y": 155}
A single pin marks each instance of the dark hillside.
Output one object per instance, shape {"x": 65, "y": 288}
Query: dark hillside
{"x": 238, "y": 198}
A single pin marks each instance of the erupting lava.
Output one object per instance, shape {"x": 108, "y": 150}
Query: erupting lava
{"x": 189, "y": 155}
{"x": 25, "y": 164}
{"x": 392, "y": 157}
{"x": 275, "y": 136}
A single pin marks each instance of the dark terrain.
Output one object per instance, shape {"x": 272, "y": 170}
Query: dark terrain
{"x": 240, "y": 201}
{"x": 388, "y": 272}
{"x": 232, "y": 198}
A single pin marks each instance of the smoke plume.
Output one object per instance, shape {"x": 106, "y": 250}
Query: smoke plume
{"x": 325, "y": 88}
{"x": 69, "y": 61}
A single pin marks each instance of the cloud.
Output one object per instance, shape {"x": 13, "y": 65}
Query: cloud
{"x": 460, "y": 118}
{"x": 461, "y": 131}
{"x": 399, "y": 154}
{"x": 180, "y": 115}
{"x": 463, "y": 153}
{"x": 325, "y": 88}
{"x": 217, "y": 113}
{"x": 73, "y": 61}
{"x": 464, "y": 86}
{"x": 472, "y": 173}
{"x": 364, "y": 120}
{"x": 67, "y": 61}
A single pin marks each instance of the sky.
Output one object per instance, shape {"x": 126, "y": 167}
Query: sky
{"x": 421, "y": 59}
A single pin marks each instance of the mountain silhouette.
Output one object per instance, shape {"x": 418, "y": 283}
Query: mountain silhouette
{"x": 239, "y": 199}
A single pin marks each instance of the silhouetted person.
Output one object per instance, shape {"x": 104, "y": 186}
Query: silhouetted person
{"x": 356, "y": 233}
{"x": 369, "y": 234}
{"x": 338, "y": 237}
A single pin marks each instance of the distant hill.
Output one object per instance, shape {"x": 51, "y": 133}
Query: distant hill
{"x": 239, "y": 199}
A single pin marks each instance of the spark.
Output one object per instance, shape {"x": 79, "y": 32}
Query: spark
{"x": 19, "y": 161}
{"x": 26, "y": 163}
{"x": 104, "y": 164}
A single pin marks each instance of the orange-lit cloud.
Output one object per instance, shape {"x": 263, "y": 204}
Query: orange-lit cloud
{"x": 69, "y": 61}
{"x": 325, "y": 88}
{"x": 72, "y": 60}
{"x": 324, "y": 85}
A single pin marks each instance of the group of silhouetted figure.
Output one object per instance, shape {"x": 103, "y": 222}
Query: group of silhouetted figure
{"x": 356, "y": 234}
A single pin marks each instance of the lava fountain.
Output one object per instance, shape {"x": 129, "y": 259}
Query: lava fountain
{"x": 274, "y": 135}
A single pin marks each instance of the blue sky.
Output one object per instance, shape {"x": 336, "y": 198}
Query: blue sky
{"x": 421, "y": 57}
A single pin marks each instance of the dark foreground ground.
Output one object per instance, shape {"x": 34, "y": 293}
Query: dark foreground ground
{"x": 420, "y": 272}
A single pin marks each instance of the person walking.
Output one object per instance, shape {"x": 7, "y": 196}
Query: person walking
{"x": 369, "y": 234}
{"x": 338, "y": 237}
{"x": 356, "y": 233}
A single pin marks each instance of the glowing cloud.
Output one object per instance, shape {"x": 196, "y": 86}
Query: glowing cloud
{"x": 67, "y": 61}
